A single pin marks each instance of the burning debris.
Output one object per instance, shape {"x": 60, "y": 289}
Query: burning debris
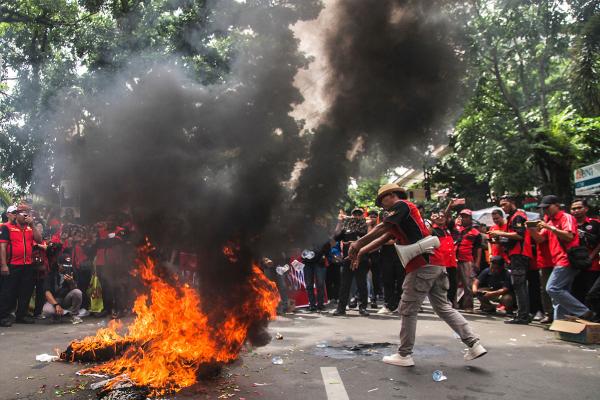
{"x": 173, "y": 339}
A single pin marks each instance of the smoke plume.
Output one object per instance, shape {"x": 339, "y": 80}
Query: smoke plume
{"x": 205, "y": 167}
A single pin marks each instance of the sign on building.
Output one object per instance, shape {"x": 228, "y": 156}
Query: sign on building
{"x": 587, "y": 180}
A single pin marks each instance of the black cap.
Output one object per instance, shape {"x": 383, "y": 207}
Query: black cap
{"x": 549, "y": 200}
{"x": 497, "y": 260}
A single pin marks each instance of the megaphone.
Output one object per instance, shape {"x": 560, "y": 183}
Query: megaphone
{"x": 408, "y": 252}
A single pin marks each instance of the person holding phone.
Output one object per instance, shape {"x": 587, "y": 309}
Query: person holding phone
{"x": 16, "y": 265}
{"x": 62, "y": 295}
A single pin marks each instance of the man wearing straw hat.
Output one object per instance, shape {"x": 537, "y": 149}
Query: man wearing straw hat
{"x": 404, "y": 223}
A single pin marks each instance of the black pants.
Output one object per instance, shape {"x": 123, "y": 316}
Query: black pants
{"x": 83, "y": 278}
{"x": 393, "y": 276}
{"x": 17, "y": 286}
{"x": 535, "y": 292}
{"x": 375, "y": 265}
{"x": 40, "y": 292}
{"x": 593, "y": 297}
{"x": 583, "y": 284}
{"x": 519, "y": 265}
{"x": 113, "y": 294}
{"x": 452, "y": 278}
{"x": 360, "y": 274}
{"x": 332, "y": 281}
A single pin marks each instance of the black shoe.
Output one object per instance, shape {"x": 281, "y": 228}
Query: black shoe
{"x": 312, "y": 309}
{"x": 588, "y": 316}
{"x": 517, "y": 321}
{"x": 25, "y": 320}
{"x": 353, "y": 303}
{"x": 338, "y": 313}
{"x": 320, "y": 308}
{"x": 374, "y": 304}
{"x": 363, "y": 312}
{"x": 5, "y": 322}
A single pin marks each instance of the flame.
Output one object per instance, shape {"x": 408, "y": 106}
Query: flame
{"x": 171, "y": 337}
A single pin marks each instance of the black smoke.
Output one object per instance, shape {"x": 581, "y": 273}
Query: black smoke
{"x": 204, "y": 167}
{"x": 394, "y": 79}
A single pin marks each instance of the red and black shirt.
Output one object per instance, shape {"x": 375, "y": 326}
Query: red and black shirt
{"x": 516, "y": 222}
{"x": 444, "y": 255}
{"x": 589, "y": 236}
{"x": 467, "y": 240}
{"x": 20, "y": 243}
{"x": 408, "y": 227}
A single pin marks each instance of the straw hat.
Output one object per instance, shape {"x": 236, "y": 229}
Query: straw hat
{"x": 387, "y": 188}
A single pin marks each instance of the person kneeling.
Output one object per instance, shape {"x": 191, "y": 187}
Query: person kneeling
{"x": 62, "y": 295}
{"x": 492, "y": 286}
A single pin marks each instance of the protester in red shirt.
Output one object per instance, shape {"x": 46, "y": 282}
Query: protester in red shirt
{"x": 16, "y": 248}
{"x": 496, "y": 244}
{"x": 404, "y": 222}
{"x": 518, "y": 247}
{"x": 589, "y": 236}
{"x": 560, "y": 231}
{"x": 467, "y": 241}
{"x": 445, "y": 255}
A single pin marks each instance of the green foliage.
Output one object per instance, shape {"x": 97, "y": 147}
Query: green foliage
{"x": 365, "y": 193}
{"x": 533, "y": 114}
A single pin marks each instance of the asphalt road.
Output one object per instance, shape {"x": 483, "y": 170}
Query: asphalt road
{"x": 524, "y": 362}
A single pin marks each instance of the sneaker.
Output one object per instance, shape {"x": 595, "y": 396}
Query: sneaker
{"x": 6, "y": 322}
{"x": 397, "y": 359}
{"x": 373, "y": 304}
{"x": 76, "y": 320}
{"x": 547, "y": 320}
{"x": 517, "y": 321}
{"x": 384, "y": 311}
{"x": 475, "y": 351}
{"x": 39, "y": 316}
{"x": 83, "y": 313}
{"x": 363, "y": 312}
{"x": 538, "y": 316}
{"x": 312, "y": 308}
{"x": 353, "y": 303}
{"x": 337, "y": 313}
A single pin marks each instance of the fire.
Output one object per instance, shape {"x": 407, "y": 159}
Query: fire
{"x": 171, "y": 337}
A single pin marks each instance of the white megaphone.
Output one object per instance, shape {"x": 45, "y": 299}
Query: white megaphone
{"x": 410, "y": 251}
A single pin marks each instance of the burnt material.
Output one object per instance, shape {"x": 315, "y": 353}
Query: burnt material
{"x": 97, "y": 354}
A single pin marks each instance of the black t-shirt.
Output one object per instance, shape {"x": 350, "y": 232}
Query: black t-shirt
{"x": 55, "y": 284}
{"x": 494, "y": 281}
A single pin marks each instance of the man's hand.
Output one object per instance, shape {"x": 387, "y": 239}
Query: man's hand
{"x": 542, "y": 225}
{"x": 59, "y": 309}
{"x": 488, "y": 295}
{"x": 4, "y": 271}
{"x": 68, "y": 278}
{"x": 341, "y": 215}
{"x": 29, "y": 220}
{"x": 356, "y": 260}
{"x": 353, "y": 250}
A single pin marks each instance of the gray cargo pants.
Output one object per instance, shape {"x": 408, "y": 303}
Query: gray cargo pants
{"x": 430, "y": 281}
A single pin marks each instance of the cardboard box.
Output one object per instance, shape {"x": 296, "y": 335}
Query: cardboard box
{"x": 577, "y": 330}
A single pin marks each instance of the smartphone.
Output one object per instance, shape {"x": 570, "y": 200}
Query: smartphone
{"x": 532, "y": 224}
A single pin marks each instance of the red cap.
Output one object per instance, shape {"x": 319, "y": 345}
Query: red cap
{"x": 466, "y": 211}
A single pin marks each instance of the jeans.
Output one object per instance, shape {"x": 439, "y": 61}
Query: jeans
{"x": 393, "y": 277}
{"x": 314, "y": 275}
{"x": 71, "y": 303}
{"x": 558, "y": 288}
{"x": 519, "y": 265}
{"x": 430, "y": 281}
{"x": 17, "y": 286}
{"x": 361, "y": 282}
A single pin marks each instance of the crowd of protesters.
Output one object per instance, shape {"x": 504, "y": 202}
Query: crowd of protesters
{"x": 541, "y": 269}
{"x": 47, "y": 263}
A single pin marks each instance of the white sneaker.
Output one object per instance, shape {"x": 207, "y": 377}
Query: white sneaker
{"x": 538, "y": 316}
{"x": 475, "y": 351}
{"x": 83, "y": 312}
{"x": 397, "y": 359}
{"x": 384, "y": 310}
{"x": 76, "y": 320}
